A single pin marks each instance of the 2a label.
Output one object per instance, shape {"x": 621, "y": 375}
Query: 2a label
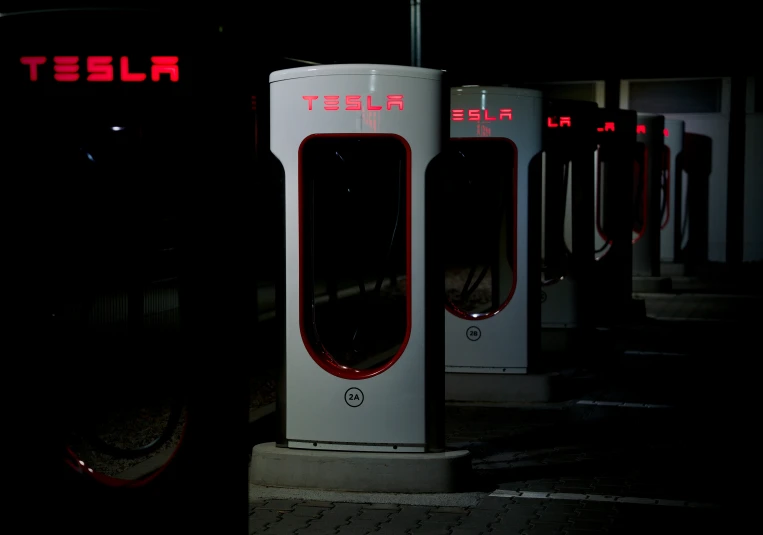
{"x": 353, "y": 397}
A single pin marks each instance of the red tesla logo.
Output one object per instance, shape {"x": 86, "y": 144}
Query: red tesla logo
{"x": 504, "y": 114}
{"x": 101, "y": 68}
{"x": 556, "y": 122}
{"x": 608, "y": 127}
{"x": 354, "y": 102}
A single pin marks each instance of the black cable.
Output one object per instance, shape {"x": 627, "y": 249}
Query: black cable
{"x": 565, "y": 173}
{"x": 381, "y": 276}
{"x": 597, "y": 251}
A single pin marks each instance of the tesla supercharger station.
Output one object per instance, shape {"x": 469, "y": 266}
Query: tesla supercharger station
{"x": 363, "y": 358}
{"x": 672, "y": 198}
{"x": 647, "y": 178}
{"x": 613, "y": 234}
{"x": 490, "y": 304}
{"x": 567, "y": 243}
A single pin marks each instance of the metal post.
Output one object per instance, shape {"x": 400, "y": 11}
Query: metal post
{"x": 416, "y": 33}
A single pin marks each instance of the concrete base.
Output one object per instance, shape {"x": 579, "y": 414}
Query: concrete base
{"x": 497, "y": 387}
{"x": 651, "y": 285}
{"x": 359, "y": 471}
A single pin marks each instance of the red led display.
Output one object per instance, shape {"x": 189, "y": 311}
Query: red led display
{"x": 608, "y": 127}
{"x": 354, "y": 102}
{"x": 665, "y": 132}
{"x": 101, "y": 68}
{"x": 557, "y": 122}
{"x": 641, "y": 129}
{"x": 476, "y": 114}
{"x": 371, "y": 119}
{"x": 483, "y": 130}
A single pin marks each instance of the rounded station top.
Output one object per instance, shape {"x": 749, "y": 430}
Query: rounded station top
{"x": 496, "y": 90}
{"x": 362, "y": 69}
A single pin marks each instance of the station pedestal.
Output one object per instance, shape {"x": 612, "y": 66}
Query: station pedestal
{"x": 512, "y": 388}
{"x": 444, "y": 472}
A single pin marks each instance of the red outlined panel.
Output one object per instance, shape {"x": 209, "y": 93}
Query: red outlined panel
{"x": 315, "y": 345}
{"x": 641, "y": 189}
{"x": 497, "y": 149}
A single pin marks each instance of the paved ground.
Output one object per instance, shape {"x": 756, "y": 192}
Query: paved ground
{"x": 653, "y": 446}
{"x": 586, "y": 466}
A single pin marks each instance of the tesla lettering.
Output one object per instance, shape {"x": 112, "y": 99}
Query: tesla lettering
{"x": 354, "y": 102}
{"x": 476, "y": 114}
{"x": 101, "y": 69}
{"x": 554, "y": 122}
{"x": 608, "y": 127}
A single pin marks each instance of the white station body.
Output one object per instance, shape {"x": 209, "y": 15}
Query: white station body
{"x": 331, "y": 406}
{"x": 497, "y": 341}
{"x": 675, "y": 207}
{"x": 647, "y": 187}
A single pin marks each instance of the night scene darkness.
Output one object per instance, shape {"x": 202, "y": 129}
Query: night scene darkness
{"x": 228, "y": 229}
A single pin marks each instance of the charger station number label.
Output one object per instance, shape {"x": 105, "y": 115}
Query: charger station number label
{"x": 353, "y": 397}
{"x": 473, "y": 333}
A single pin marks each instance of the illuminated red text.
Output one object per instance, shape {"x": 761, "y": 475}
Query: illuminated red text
{"x": 641, "y": 129}
{"x": 608, "y": 127}
{"x": 101, "y": 68}
{"x": 483, "y": 130}
{"x": 556, "y": 122}
{"x": 355, "y": 102}
{"x": 665, "y": 132}
{"x": 476, "y": 114}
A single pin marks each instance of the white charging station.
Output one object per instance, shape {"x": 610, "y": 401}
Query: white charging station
{"x": 490, "y": 333}
{"x": 361, "y": 391}
{"x": 566, "y": 205}
{"x": 647, "y": 176}
{"x": 362, "y": 349}
{"x": 673, "y": 199}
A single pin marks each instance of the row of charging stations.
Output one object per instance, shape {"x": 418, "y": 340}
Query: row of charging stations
{"x": 379, "y": 204}
{"x": 524, "y": 185}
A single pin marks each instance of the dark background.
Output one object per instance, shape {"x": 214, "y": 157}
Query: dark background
{"x": 491, "y": 41}
{"x": 487, "y": 42}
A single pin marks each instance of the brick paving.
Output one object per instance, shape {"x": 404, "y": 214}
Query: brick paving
{"x": 491, "y": 515}
{"x": 552, "y": 465}
{"x": 651, "y": 448}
